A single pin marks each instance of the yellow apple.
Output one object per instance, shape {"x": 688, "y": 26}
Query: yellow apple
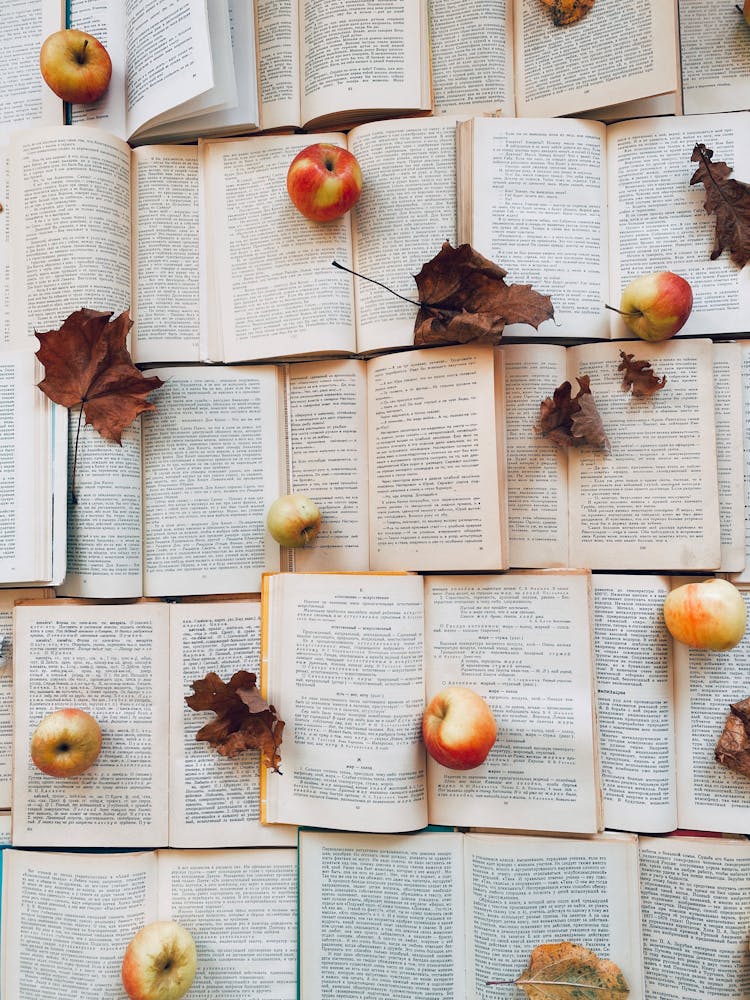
{"x": 160, "y": 962}
{"x": 293, "y": 520}
{"x": 710, "y": 614}
{"x": 66, "y": 743}
{"x": 75, "y": 65}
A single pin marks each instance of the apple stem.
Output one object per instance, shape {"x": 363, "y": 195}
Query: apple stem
{"x": 81, "y": 57}
{"x": 73, "y": 496}
{"x": 422, "y": 305}
{"x": 737, "y": 6}
{"x": 635, "y": 312}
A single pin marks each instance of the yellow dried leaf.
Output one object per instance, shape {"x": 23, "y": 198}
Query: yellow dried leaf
{"x": 566, "y": 971}
{"x": 568, "y": 11}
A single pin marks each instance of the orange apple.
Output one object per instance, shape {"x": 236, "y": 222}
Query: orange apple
{"x": 655, "y": 306}
{"x": 745, "y": 11}
{"x": 75, "y": 65}
{"x": 710, "y": 614}
{"x": 293, "y": 520}
{"x": 66, "y": 743}
{"x": 458, "y": 728}
{"x": 160, "y": 962}
{"x": 324, "y": 181}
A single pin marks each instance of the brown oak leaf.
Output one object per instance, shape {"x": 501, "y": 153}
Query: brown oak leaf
{"x": 566, "y": 970}
{"x": 568, "y": 11}
{"x": 463, "y": 297}
{"x": 570, "y": 421}
{"x": 244, "y": 719}
{"x": 729, "y": 200}
{"x": 86, "y": 362}
{"x": 639, "y": 377}
{"x": 733, "y": 747}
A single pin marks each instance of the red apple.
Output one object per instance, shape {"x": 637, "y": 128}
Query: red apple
{"x": 458, "y": 728}
{"x": 75, "y": 65}
{"x": 66, "y": 743}
{"x": 293, "y": 520}
{"x": 745, "y": 11}
{"x": 324, "y": 181}
{"x": 655, "y": 306}
{"x": 706, "y": 615}
{"x": 159, "y": 962}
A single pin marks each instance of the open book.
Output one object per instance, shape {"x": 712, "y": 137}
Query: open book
{"x": 33, "y": 469}
{"x": 443, "y": 914}
{"x": 350, "y": 660}
{"x": 130, "y": 666}
{"x": 661, "y": 709}
{"x": 181, "y": 507}
{"x": 25, "y": 99}
{"x": 668, "y": 497}
{"x": 239, "y": 906}
{"x": 579, "y": 209}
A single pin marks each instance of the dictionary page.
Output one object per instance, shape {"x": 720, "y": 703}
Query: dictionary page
{"x": 523, "y": 642}
{"x": 695, "y": 897}
{"x": 524, "y": 891}
{"x": 634, "y": 702}
{"x": 210, "y": 473}
{"x": 67, "y": 180}
{"x": 406, "y": 211}
{"x": 438, "y": 494}
{"x": 472, "y": 57}
{"x": 241, "y": 909}
{"x": 618, "y": 52}
{"x": 709, "y": 796}
{"x": 25, "y": 99}
{"x": 531, "y": 196}
{"x": 165, "y": 255}
{"x": 715, "y": 57}
{"x": 381, "y": 917}
{"x": 362, "y": 62}
{"x": 728, "y": 409}
{"x": 112, "y": 662}
{"x": 651, "y": 205}
{"x": 342, "y": 662}
{"x": 326, "y": 410}
{"x": 537, "y": 468}
{"x": 652, "y": 504}
{"x": 95, "y": 903}
{"x": 214, "y": 801}
{"x": 271, "y": 291}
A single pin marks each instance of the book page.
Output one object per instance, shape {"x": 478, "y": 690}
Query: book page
{"x": 744, "y": 575}
{"x": 166, "y": 278}
{"x": 618, "y": 52}
{"x": 105, "y": 529}
{"x": 472, "y": 57}
{"x": 95, "y": 904}
{"x": 241, "y": 908}
{"x": 25, "y": 99}
{"x": 382, "y": 915}
{"x": 326, "y": 404}
{"x": 4, "y": 248}
{"x": 634, "y": 702}
{"x": 214, "y": 801}
{"x": 112, "y": 662}
{"x": 406, "y": 211}
{"x": 652, "y": 205}
{"x": 709, "y": 796}
{"x": 695, "y": 896}
{"x": 537, "y": 469}
{"x": 728, "y": 408}
{"x": 524, "y": 891}
{"x": 532, "y": 198}
{"x": 278, "y": 53}
{"x": 105, "y": 21}
{"x": 343, "y": 665}
{"x": 523, "y": 642}
{"x": 271, "y": 290}
{"x": 359, "y": 62}
{"x": 715, "y": 57}
{"x": 437, "y": 463}
{"x": 210, "y": 473}
{"x": 67, "y": 180}
{"x": 652, "y": 504}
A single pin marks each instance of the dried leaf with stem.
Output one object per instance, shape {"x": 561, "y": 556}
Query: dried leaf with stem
{"x": 639, "y": 377}
{"x": 733, "y": 747}
{"x": 567, "y": 971}
{"x": 729, "y": 201}
{"x": 571, "y": 421}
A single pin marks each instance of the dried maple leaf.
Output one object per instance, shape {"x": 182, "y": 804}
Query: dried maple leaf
{"x": 639, "y": 377}
{"x": 87, "y": 363}
{"x": 568, "y": 971}
{"x": 733, "y": 747}
{"x": 244, "y": 719}
{"x": 729, "y": 200}
{"x": 463, "y": 297}
{"x": 570, "y": 421}
{"x": 568, "y": 11}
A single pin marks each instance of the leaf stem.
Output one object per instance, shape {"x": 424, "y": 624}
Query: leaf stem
{"x": 422, "y": 305}
{"x": 73, "y": 496}
{"x": 500, "y": 982}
